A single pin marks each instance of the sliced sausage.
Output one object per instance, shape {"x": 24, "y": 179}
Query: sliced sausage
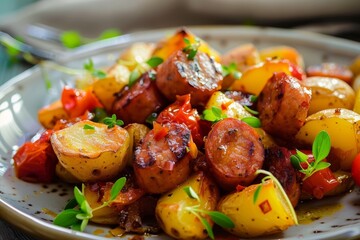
{"x": 135, "y": 104}
{"x": 233, "y": 152}
{"x": 179, "y": 76}
{"x": 162, "y": 161}
{"x": 277, "y": 161}
{"x": 283, "y": 105}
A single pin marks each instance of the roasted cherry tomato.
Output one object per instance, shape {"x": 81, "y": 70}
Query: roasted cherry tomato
{"x": 355, "y": 170}
{"x": 76, "y": 102}
{"x": 330, "y": 70}
{"x": 320, "y": 182}
{"x": 36, "y": 161}
{"x": 182, "y": 112}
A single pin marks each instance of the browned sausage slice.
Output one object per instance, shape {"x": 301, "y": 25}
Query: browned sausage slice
{"x": 234, "y": 152}
{"x": 283, "y": 105}
{"x": 277, "y": 161}
{"x": 179, "y": 76}
{"x": 162, "y": 161}
{"x": 135, "y": 104}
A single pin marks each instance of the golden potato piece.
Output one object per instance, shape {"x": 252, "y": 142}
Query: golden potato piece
{"x": 343, "y": 127}
{"x": 172, "y": 213}
{"x": 329, "y": 93}
{"x": 269, "y": 214}
{"x": 49, "y": 115}
{"x": 91, "y": 155}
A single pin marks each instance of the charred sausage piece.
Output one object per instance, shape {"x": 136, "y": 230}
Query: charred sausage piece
{"x": 162, "y": 161}
{"x": 283, "y": 105}
{"x": 277, "y": 161}
{"x": 135, "y": 104}
{"x": 233, "y": 152}
{"x": 179, "y": 76}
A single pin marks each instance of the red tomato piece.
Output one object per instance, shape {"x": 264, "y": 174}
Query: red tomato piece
{"x": 182, "y": 112}
{"x": 355, "y": 170}
{"x": 36, "y": 161}
{"x": 76, "y": 102}
{"x": 330, "y": 70}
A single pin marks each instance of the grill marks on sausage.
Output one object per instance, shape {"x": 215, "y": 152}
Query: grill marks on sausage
{"x": 233, "y": 152}
{"x": 199, "y": 77}
{"x": 135, "y": 104}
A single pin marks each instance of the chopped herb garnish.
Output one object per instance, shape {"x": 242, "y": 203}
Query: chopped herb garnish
{"x": 88, "y": 127}
{"x": 253, "y": 98}
{"x": 218, "y": 217}
{"x": 231, "y": 69}
{"x": 214, "y": 114}
{"x": 191, "y": 48}
{"x": 250, "y": 110}
{"x": 154, "y": 62}
{"x": 320, "y": 149}
{"x": 99, "y": 114}
{"x": 78, "y": 212}
{"x": 89, "y": 66}
{"x": 109, "y": 33}
{"x": 134, "y": 75}
{"x": 252, "y": 121}
{"x": 112, "y": 121}
{"x": 151, "y": 118}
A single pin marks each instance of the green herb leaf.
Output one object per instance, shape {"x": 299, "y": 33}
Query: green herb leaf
{"x": 221, "y": 219}
{"x": 321, "y": 146}
{"x": 231, "y": 69}
{"x": 322, "y": 165}
{"x": 85, "y": 207}
{"x": 251, "y": 110}
{"x": 84, "y": 224}
{"x": 71, "y": 39}
{"x": 208, "y": 227}
{"x": 79, "y": 196}
{"x": 134, "y": 76}
{"x": 116, "y": 188}
{"x": 252, "y": 121}
{"x": 154, "y": 62}
{"x": 191, "y": 48}
{"x": 71, "y": 204}
{"x": 302, "y": 156}
{"x": 253, "y": 98}
{"x": 213, "y": 115}
{"x": 257, "y": 192}
{"x": 89, "y": 66}
{"x": 295, "y": 161}
{"x": 99, "y": 114}
{"x": 112, "y": 121}
{"x": 67, "y": 218}
{"x": 191, "y": 193}
{"x": 99, "y": 74}
{"x": 88, "y": 127}
{"x": 151, "y": 118}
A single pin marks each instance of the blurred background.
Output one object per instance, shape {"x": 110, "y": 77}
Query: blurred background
{"x": 41, "y": 23}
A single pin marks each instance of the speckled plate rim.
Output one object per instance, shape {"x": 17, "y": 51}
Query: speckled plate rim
{"x": 46, "y": 230}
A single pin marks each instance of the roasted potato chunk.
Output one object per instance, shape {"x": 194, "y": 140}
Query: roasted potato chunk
{"x": 172, "y": 208}
{"x": 91, "y": 154}
{"x": 49, "y": 115}
{"x": 343, "y": 127}
{"x": 269, "y": 214}
{"x": 329, "y": 93}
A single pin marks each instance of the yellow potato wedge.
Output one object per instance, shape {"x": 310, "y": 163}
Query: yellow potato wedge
{"x": 329, "y": 93}
{"x": 49, "y": 115}
{"x": 91, "y": 155}
{"x": 176, "y": 42}
{"x": 136, "y": 133}
{"x": 343, "y": 127}
{"x": 172, "y": 213}
{"x": 267, "y": 215}
{"x": 282, "y": 52}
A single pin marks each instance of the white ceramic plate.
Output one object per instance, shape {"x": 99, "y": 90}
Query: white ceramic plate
{"x": 27, "y": 205}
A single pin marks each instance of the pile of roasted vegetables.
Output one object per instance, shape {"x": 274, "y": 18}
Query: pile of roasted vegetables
{"x": 175, "y": 137}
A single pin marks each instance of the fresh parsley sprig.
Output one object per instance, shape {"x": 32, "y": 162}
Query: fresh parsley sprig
{"x": 78, "y": 212}
{"x": 89, "y": 67}
{"x": 214, "y": 114}
{"x": 252, "y": 121}
{"x": 216, "y": 216}
{"x": 112, "y": 121}
{"x": 320, "y": 149}
{"x": 191, "y": 48}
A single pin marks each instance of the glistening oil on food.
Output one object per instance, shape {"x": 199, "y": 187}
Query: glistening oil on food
{"x": 179, "y": 138}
